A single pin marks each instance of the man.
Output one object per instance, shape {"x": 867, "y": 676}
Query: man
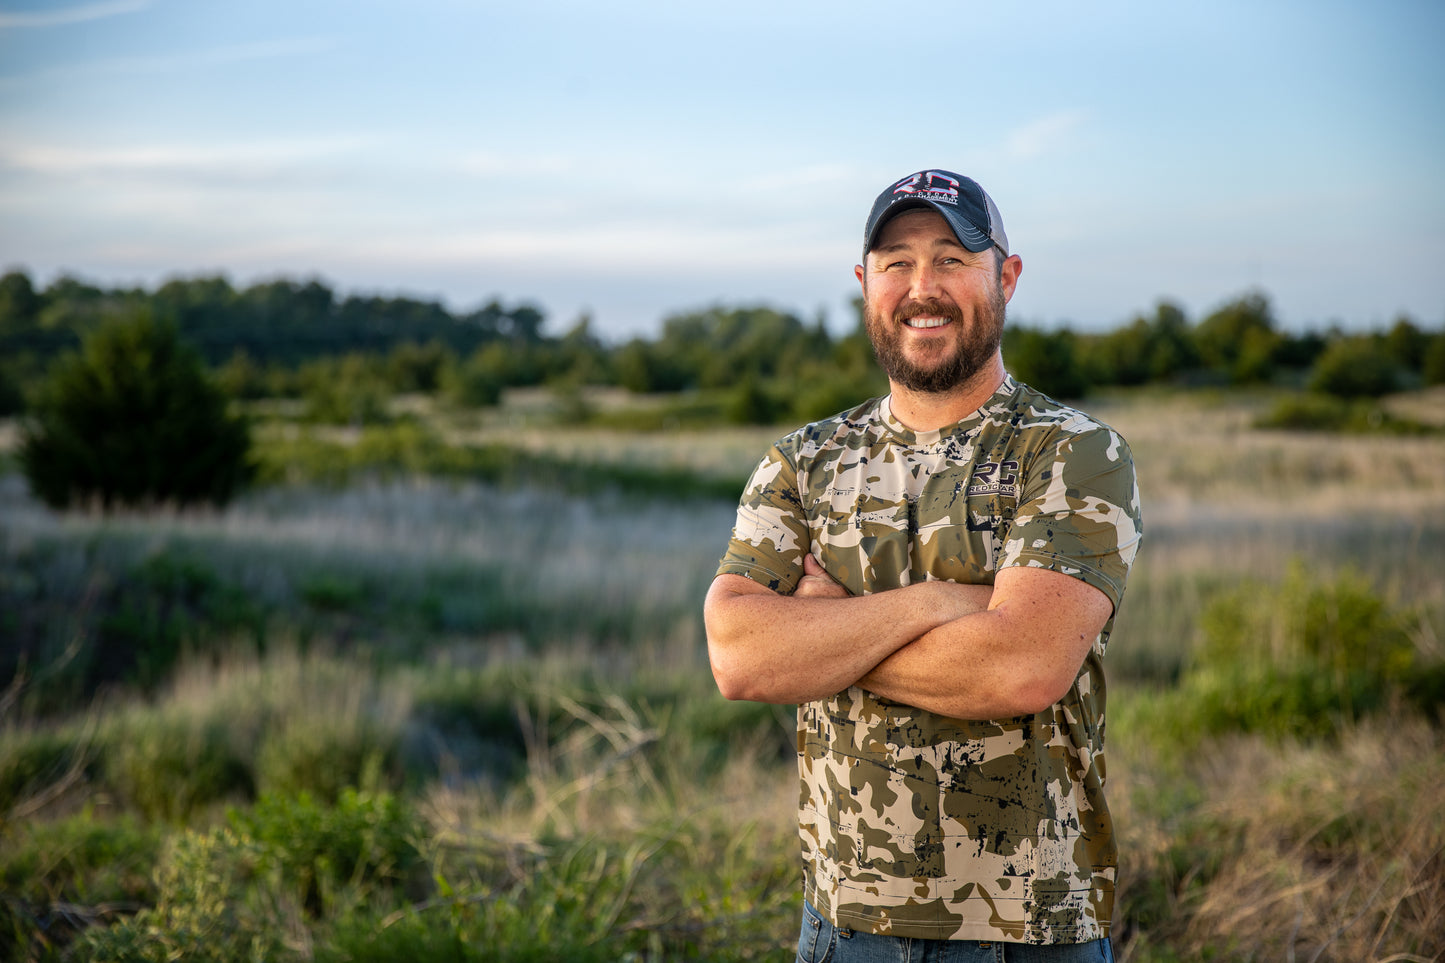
{"x": 932, "y": 577}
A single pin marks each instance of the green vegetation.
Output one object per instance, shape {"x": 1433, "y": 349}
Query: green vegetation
{"x": 435, "y": 686}
{"x": 346, "y": 357}
{"x": 132, "y": 419}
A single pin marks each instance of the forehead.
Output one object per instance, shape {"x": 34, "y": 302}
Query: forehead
{"x": 921, "y": 226}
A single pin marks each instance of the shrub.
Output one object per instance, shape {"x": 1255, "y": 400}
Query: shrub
{"x": 345, "y": 391}
{"x": 325, "y": 753}
{"x": 1046, "y": 360}
{"x": 1299, "y": 658}
{"x": 243, "y": 892}
{"x": 59, "y": 877}
{"x": 327, "y": 859}
{"x": 1356, "y": 368}
{"x": 160, "y": 609}
{"x": 751, "y": 403}
{"x": 35, "y": 763}
{"x": 206, "y": 910}
{"x": 471, "y": 384}
{"x": 1321, "y": 412}
{"x": 133, "y": 419}
{"x": 825, "y": 396}
{"x": 168, "y": 765}
{"x": 1432, "y": 365}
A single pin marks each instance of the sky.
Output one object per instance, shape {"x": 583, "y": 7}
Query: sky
{"x": 629, "y": 161}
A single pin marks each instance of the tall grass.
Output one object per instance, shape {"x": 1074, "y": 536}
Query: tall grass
{"x": 406, "y": 716}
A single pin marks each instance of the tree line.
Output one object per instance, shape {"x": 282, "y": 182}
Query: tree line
{"x": 346, "y": 354}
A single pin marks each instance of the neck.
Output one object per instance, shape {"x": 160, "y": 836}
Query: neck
{"x": 929, "y": 411}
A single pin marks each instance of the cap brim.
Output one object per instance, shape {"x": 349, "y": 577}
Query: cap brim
{"x": 970, "y": 238}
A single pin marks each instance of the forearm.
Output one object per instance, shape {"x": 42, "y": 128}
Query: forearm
{"x": 962, "y": 670}
{"x": 1018, "y": 657}
{"x": 771, "y": 648}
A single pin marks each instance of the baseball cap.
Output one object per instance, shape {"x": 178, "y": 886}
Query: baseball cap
{"x": 969, "y": 211}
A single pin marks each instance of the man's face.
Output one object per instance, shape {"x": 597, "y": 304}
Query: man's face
{"x": 933, "y": 309}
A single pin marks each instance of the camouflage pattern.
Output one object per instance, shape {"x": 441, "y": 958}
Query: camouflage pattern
{"x": 915, "y": 824}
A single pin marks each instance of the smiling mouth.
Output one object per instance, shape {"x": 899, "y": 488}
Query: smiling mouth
{"x": 925, "y": 322}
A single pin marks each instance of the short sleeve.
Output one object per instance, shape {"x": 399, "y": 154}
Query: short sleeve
{"x": 770, "y": 536}
{"x": 1079, "y": 511}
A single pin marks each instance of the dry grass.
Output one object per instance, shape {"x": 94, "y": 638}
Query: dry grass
{"x": 1292, "y": 851}
{"x": 1249, "y": 849}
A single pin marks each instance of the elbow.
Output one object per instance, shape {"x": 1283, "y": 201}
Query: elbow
{"x": 1029, "y": 702}
{"x": 733, "y": 690}
{"x": 1040, "y": 693}
{"x": 735, "y": 678}
{"x": 730, "y": 680}
{"x": 735, "y": 684}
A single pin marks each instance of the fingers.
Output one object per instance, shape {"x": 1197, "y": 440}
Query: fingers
{"x": 817, "y": 583}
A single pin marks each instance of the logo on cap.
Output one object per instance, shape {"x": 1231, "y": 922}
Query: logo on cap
{"x": 930, "y": 186}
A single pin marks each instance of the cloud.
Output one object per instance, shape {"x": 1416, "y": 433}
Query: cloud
{"x": 1043, "y": 136}
{"x": 169, "y": 166}
{"x": 493, "y": 164}
{"x": 70, "y": 15}
{"x": 173, "y": 63}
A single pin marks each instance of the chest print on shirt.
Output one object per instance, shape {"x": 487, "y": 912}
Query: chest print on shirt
{"x": 995, "y": 478}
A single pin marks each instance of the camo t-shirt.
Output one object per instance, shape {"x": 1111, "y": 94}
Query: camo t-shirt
{"x": 912, "y": 823}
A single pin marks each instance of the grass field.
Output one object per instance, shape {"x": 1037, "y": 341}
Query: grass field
{"x": 388, "y": 715}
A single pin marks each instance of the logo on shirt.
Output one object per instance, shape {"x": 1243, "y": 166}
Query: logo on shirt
{"x": 995, "y": 478}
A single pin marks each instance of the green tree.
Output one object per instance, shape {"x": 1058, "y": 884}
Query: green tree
{"x": 1046, "y": 360}
{"x": 133, "y": 419}
{"x": 1432, "y": 367}
{"x": 1356, "y": 368}
{"x": 417, "y": 367}
{"x": 19, "y": 304}
{"x": 349, "y": 390}
{"x": 1407, "y": 343}
{"x": 1239, "y": 339}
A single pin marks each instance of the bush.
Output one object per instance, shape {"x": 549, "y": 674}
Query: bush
{"x": 168, "y": 765}
{"x": 1317, "y": 412}
{"x": 59, "y": 877}
{"x": 244, "y": 891}
{"x": 751, "y": 403}
{"x": 330, "y": 858}
{"x": 1356, "y": 368}
{"x": 206, "y": 910}
{"x": 131, "y": 420}
{"x": 1299, "y": 658}
{"x": 1432, "y": 366}
{"x": 1047, "y": 361}
{"x": 349, "y": 390}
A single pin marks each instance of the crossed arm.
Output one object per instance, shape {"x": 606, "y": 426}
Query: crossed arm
{"x": 966, "y": 651}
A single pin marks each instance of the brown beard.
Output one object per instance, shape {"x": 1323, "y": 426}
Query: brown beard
{"x": 979, "y": 344}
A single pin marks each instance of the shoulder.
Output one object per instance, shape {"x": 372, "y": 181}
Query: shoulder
{"x": 1048, "y": 421}
{"x": 856, "y": 428}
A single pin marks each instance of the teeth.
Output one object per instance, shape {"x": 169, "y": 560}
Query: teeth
{"x": 926, "y": 322}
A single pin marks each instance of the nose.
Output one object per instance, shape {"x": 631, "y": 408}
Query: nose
{"x": 923, "y": 285}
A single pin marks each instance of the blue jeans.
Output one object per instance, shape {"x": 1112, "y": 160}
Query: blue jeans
{"x": 821, "y": 942}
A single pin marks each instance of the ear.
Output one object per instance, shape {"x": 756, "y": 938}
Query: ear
{"x": 862, "y": 279}
{"x": 1008, "y": 277}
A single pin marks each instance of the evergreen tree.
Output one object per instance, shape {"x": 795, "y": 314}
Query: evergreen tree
{"x": 133, "y": 419}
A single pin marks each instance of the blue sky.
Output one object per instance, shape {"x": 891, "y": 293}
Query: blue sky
{"x": 634, "y": 160}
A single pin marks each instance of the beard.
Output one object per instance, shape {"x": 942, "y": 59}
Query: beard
{"x": 943, "y": 370}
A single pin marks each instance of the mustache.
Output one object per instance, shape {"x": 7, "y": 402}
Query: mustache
{"x": 930, "y": 308}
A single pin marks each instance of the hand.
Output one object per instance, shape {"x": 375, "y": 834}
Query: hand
{"x": 816, "y": 583}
